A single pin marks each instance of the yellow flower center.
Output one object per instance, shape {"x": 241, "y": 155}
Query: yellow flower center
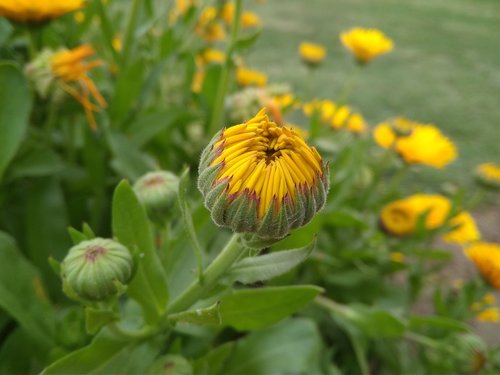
{"x": 267, "y": 162}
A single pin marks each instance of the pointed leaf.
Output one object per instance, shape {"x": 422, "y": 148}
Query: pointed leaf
{"x": 265, "y": 267}
{"x": 131, "y": 227}
{"x": 15, "y": 108}
{"x": 207, "y": 316}
{"x": 248, "y": 309}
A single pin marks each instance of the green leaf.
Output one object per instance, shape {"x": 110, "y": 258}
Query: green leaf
{"x": 107, "y": 354}
{"x": 188, "y": 221}
{"x": 76, "y": 236}
{"x": 15, "y": 108}
{"x": 265, "y": 267}
{"x": 214, "y": 362}
{"x": 96, "y": 319}
{"x": 248, "y": 309}
{"x": 128, "y": 159}
{"x": 22, "y": 295}
{"x": 127, "y": 89}
{"x": 437, "y": 322}
{"x": 370, "y": 321}
{"x": 47, "y": 237}
{"x": 207, "y": 316}
{"x": 291, "y": 347}
{"x": 131, "y": 227}
{"x": 247, "y": 41}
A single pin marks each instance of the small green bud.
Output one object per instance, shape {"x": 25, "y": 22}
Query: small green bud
{"x": 157, "y": 191}
{"x": 171, "y": 364}
{"x": 94, "y": 270}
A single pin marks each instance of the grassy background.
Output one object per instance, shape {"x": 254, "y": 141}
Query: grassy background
{"x": 445, "y": 68}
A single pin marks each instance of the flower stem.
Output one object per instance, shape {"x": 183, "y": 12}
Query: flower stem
{"x": 218, "y": 110}
{"x": 214, "y": 271}
{"x": 349, "y": 86}
{"x": 130, "y": 30}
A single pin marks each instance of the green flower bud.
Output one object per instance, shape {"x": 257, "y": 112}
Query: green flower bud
{"x": 260, "y": 178}
{"x": 157, "y": 191}
{"x": 39, "y": 72}
{"x": 171, "y": 364}
{"x": 94, "y": 270}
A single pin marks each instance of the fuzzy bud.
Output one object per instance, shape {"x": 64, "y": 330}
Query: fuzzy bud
{"x": 260, "y": 178}
{"x": 94, "y": 270}
{"x": 157, "y": 191}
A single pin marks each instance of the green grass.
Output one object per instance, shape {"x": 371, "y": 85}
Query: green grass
{"x": 445, "y": 68}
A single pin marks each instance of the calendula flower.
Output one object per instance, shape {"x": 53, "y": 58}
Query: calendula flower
{"x": 325, "y": 108}
{"x": 486, "y": 257}
{"x": 71, "y": 71}
{"x": 212, "y": 56}
{"x": 400, "y": 217}
{"x": 340, "y": 116}
{"x": 117, "y": 43}
{"x": 208, "y": 26}
{"x": 464, "y": 229}
{"x": 356, "y": 124}
{"x": 180, "y": 8}
{"x": 207, "y": 56}
{"x": 260, "y": 178}
{"x": 37, "y": 10}
{"x": 489, "y": 174}
{"x": 312, "y": 54}
{"x": 366, "y": 44}
{"x": 397, "y": 257}
{"x": 79, "y": 16}
{"x": 250, "y": 77}
{"x": 247, "y": 18}
{"x": 426, "y": 145}
{"x": 489, "y": 315}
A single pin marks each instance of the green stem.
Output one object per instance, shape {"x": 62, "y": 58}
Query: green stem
{"x": 128, "y": 40}
{"x": 139, "y": 334}
{"x": 349, "y": 86}
{"x": 218, "y": 110}
{"x": 214, "y": 271}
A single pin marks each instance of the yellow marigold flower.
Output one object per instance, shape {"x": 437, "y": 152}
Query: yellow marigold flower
{"x": 312, "y": 54}
{"x": 490, "y": 315}
{"x": 486, "y": 257}
{"x": 489, "y": 174}
{"x": 366, "y": 44}
{"x": 250, "y": 77}
{"x": 117, "y": 43}
{"x": 426, "y": 145}
{"x": 397, "y": 257}
{"x": 211, "y": 55}
{"x": 79, "y": 16}
{"x": 384, "y": 136}
{"x": 356, "y": 124}
{"x": 198, "y": 78}
{"x": 489, "y": 299}
{"x": 400, "y": 217}
{"x": 340, "y": 116}
{"x": 284, "y": 100}
{"x": 261, "y": 178}
{"x": 250, "y": 19}
{"x": 37, "y": 10}
{"x": 464, "y": 229}
{"x": 207, "y": 26}
{"x": 326, "y": 109}
{"x": 69, "y": 67}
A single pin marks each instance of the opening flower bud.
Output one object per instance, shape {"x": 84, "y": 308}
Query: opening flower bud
{"x": 157, "y": 191}
{"x": 261, "y": 178}
{"x": 94, "y": 269}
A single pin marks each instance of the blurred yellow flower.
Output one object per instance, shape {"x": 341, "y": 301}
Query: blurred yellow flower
{"x": 486, "y": 257}
{"x": 340, "y": 116}
{"x": 312, "y": 54}
{"x": 366, "y": 44}
{"x": 37, "y": 10}
{"x": 208, "y": 26}
{"x": 489, "y": 174}
{"x": 69, "y": 66}
{"x": 400, "y": 217}
{"x": 180, "y": 9}
{"x": 212, "y": 56}
{"x": 356, "y": 124}
{"x": 247, "y": 18}
{"x": 383, "y": 135}
{"x": 426, "y": 145}
{"x": 284, "y": 100}
{"x": 489, "y": 299}
{"x": 490, "y": 315}
{"x": 397, "y": 257}
{"x": 464, "y": 229}
{"x": 117, "y": 43}
{"x": 79, "y": 16}
{"x": 250, "y": 77}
